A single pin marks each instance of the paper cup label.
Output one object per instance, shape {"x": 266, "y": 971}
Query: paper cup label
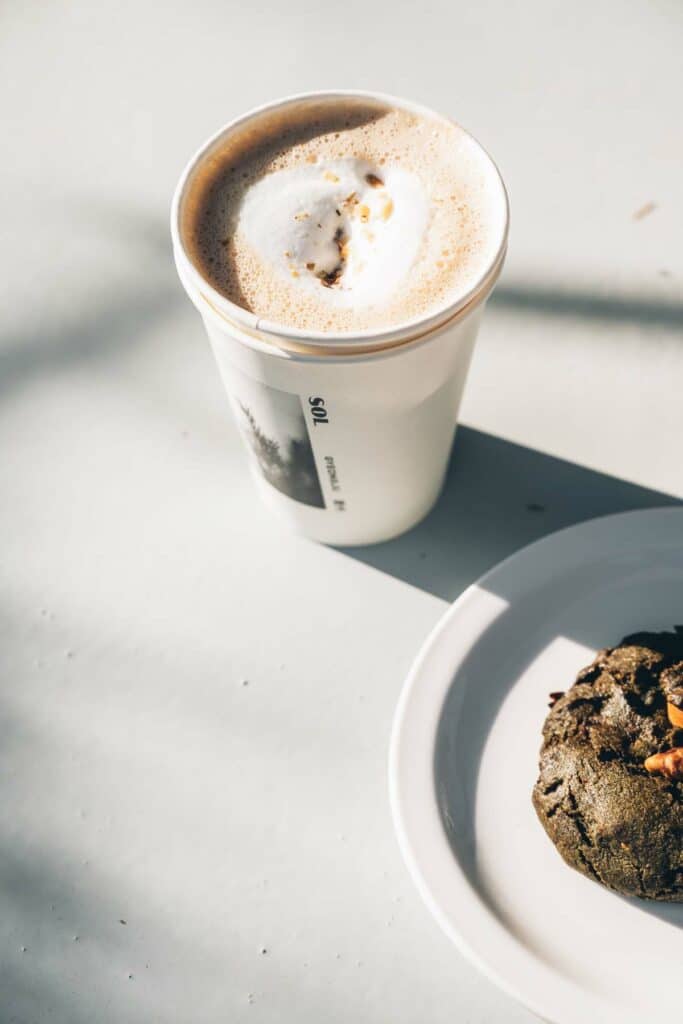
{"x": 274, "y": 424}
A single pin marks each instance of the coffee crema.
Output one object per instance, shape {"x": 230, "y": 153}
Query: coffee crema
{"x": 343, "y": 215}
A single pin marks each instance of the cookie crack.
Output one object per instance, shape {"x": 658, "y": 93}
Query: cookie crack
{"x": 641, "y": 883}
{"x": 577, "y": 817}
{"x": 552, "y": 787}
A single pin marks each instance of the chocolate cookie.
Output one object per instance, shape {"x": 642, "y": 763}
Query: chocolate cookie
{"x": 610, "y": 789}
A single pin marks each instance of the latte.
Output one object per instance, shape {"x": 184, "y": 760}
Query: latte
{"x": 343, "y": 215}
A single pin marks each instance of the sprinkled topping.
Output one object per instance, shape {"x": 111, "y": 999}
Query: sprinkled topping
{"x": 329, "y": 278}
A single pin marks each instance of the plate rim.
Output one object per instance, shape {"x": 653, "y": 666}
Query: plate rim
{"x": 541, "y": 989}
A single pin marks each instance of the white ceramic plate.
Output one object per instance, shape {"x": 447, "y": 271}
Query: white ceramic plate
{"x": 464, "y": 757}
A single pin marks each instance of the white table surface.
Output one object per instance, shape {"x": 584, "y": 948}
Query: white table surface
{"x": 142, "y": 779}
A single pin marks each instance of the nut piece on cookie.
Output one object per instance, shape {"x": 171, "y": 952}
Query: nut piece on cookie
{"x": 668, "y": 763}
{"x": 672, "y": 684}
{"x": 675, "y": 715}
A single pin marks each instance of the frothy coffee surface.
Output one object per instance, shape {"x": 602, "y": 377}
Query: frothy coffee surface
{"x": 343, "y": 216}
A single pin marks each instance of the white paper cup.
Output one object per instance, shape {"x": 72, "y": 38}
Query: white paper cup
{"x": 349, "y": 434}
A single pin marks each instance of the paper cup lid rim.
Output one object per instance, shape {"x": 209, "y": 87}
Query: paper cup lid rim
{"x": 326, "y": 339}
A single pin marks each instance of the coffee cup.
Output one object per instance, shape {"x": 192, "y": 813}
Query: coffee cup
{"x": 348, "y": 434}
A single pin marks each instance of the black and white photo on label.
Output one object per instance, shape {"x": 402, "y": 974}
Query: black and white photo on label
{"x": 272, "y": 421}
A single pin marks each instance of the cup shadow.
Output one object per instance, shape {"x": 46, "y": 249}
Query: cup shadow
{"x": 498, "y": 497}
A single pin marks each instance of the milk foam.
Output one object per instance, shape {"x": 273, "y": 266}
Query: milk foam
{"x": 356, "y": 217}
{"x": 336, "y": 223}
